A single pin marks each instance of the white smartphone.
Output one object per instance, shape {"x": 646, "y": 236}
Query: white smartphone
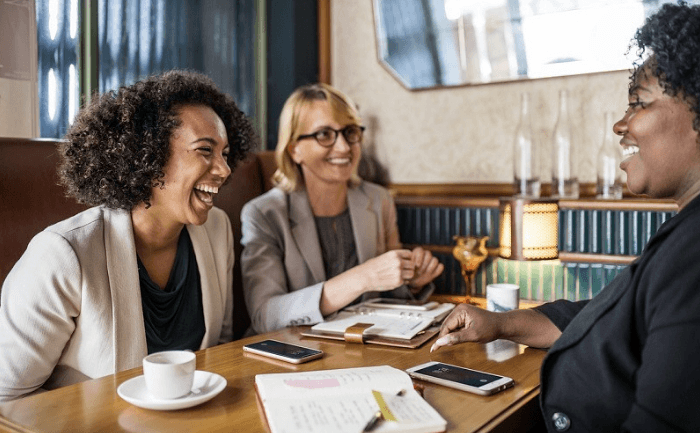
{"x": 461, "y": 378}
{"x": 283, "y": 351}
{"x": 403, "y": 304}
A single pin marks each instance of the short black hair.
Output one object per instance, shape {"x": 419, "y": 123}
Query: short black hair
{"x": 672, "y": 36}
{"x": 115, "y": 151}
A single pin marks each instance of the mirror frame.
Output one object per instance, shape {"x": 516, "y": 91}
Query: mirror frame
{"x": 401, "y": 80}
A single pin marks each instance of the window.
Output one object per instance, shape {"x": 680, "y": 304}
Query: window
{"x": 137, "y": 38}
{"x": 57, "y": 39}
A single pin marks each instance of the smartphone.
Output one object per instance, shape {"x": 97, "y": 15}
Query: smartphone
{"x": 460, "y": 378}
{"x": 283, "y": 351}
{"x": 400, "y": 303}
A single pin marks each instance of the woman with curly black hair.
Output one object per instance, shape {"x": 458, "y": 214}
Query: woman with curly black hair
{"x": 627, "y": 359}
{"x": 150, "y": 266}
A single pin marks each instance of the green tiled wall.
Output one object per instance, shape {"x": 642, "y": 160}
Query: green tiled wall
{"x": 607, "y": 231}
{"x": 584, "y": 231}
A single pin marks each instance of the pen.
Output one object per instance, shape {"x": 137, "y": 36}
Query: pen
{"x": 373, "y": 422}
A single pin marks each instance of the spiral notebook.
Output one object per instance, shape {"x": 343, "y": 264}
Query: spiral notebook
{"x": 343, "y": 400}
{"x": 388, "y": 326}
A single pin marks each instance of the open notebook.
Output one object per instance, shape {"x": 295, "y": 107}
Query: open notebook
{"x": 393, "y": 323}
{"x": 344, "y": 400}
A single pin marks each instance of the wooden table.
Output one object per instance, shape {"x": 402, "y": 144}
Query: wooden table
{"x": 94, "y": 406}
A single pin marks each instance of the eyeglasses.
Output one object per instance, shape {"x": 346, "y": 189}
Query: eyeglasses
{"x": 327, "y": 136}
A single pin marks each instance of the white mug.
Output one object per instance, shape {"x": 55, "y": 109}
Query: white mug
{"x": 169, "y": 374}
{"x": 502, "y": 297}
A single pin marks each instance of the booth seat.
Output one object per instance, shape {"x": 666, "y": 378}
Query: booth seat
{"x": 31, "y": 199}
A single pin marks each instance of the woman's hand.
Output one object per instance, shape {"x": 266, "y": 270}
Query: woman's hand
{"x": 469, "y": 323}
{"x": 387, "y": 271}
{"x": 427, "y": 268}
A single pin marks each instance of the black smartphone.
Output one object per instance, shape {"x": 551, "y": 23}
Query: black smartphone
{"x": 283, "y": 351}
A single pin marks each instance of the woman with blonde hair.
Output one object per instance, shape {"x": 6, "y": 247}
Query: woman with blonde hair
{"x": 323, "y": 238}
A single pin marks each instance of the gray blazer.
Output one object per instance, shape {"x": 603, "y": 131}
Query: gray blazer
{"x": 71, "y": 306}
{"x": 282, "y": 266}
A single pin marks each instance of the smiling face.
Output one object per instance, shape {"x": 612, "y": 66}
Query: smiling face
{"x": 196, "y": 168}
{"x": 660, "y": 147}
{"x": 327, "y": 165}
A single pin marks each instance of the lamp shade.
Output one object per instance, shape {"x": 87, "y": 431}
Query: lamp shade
{"x": 529, "y": 229}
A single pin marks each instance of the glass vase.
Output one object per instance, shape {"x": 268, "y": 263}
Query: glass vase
{"x": 564, "y": 180}
{"x": 609, "y": 177}
{"x": 525, "y": 175}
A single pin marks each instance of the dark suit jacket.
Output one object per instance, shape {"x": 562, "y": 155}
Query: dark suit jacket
{"x": 629, "y": 360}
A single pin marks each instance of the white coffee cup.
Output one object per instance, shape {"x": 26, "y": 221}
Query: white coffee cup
{"x": 502, "y": 297}
{"x": 169, "y": 374}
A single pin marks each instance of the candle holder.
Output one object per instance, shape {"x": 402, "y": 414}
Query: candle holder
{"x": 470, "y": 252}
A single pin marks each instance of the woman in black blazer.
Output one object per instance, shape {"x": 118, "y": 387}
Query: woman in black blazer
{"x": 627, "y": 360}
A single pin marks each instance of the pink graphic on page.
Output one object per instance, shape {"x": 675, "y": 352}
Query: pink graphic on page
{"x": 312, "y": 384}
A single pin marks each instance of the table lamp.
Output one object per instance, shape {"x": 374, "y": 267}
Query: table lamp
{"x": 529, "y": 228}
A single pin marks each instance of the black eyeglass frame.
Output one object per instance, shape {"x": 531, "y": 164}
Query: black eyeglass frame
{"x": 337, "y": 132}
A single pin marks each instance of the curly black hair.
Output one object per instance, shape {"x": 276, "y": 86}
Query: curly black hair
{"x": 115, "y": 151}
{"x": 672, "y": 36}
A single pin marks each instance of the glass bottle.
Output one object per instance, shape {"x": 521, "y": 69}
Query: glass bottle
{"x": 526, "y": 178}
{"x": 564, "y": 180}
{"x": 609, "y": 182}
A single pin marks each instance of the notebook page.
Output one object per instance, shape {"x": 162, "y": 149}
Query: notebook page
{"x": 349, "y": 414}
{"x": 332, "y": 382}
{"x": 342, "y": 401}
{"x": 437, "y": 314}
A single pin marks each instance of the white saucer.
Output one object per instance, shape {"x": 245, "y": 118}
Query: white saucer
{"x": 206, "y": 386}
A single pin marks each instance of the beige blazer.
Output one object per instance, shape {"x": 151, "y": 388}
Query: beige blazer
{"x": 71, "y": 306}
{"x": 281, "y": 262}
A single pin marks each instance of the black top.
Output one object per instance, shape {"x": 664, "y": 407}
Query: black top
{"x": 337, "y": 243}
{"x": 627, "y": 361}
{"x": 174, "y": 317}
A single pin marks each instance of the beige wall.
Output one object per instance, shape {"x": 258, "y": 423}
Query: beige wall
{"x": 19, "y": 116}
{"x": 462, "y": 134}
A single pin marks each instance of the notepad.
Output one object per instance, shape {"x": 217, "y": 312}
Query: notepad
{"x": 343, "y": 401}
{"x": 436, "y": 314}
{"x": 387, "y": 322}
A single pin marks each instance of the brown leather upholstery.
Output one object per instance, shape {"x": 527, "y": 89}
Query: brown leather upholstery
{"x": 31, "y": 200}
{"x": 251, "y": 178}
{"x": 30, "y": 197}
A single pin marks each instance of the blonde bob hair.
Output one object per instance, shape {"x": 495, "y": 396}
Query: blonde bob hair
{"x": 288, "y": 176}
